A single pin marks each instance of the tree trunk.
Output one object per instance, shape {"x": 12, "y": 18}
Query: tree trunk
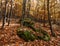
{"x": 4, "y": 15}
{"x": 24, "y": 8}
{"x": 10, "y": 14}
{"x": 44, "y": 14}
{"x": 28, "y": 9}
{"x": 23, "y": 11}
{"x": 49, "y": 19}
{"x": 37, "y": 7}
{"x": 1, "y": 9}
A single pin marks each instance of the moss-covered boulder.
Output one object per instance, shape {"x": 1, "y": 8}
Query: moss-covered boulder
{"x": 26, "y": 35}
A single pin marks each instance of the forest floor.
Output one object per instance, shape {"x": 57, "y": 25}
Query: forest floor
{"x": 8, "y": 37}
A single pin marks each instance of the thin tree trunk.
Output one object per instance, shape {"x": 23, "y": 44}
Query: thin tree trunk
{"x": 23, "y": 11}
{"x": 24, "y": 8}
{"x": 28, "y": 9}
{"x": 4, "y": 16}
{"x": 49, "y": 19}
{"x": 44, "y": 14}
{"x": 10, "y": 14}
{"x": 1, "y": 8}
{"x": 37, "y": 7}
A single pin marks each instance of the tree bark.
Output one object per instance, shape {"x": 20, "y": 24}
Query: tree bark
{"x": 4, "y": 15}
{"x": 24, "y": 8}
{"x": 49, "y": 19}
{"x": 37, "y": 7}
{"x": 28, "y": 9}
{"x": 1, "y": 8}
{"x": 44, "y": 14}
{"x": 10, "y": 14}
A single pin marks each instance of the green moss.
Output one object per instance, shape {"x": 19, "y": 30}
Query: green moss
{"x": 26, "y": 35}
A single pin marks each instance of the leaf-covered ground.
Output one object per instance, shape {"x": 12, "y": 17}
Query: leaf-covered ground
{"x": 8, "y": 37}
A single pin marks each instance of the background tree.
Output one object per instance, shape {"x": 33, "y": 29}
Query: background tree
{"x": 44, "y": 14}
{"x": 0, "y": 9}
{"x": 4, "y": 15}
{"x": 23, "y": 8}
{"x": 28, "y": 8}
{"x": 10, "y": 14}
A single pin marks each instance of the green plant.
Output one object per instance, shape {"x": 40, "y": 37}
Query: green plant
{"x": 45, "y": 36}
{"x": 26, "y": 35}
